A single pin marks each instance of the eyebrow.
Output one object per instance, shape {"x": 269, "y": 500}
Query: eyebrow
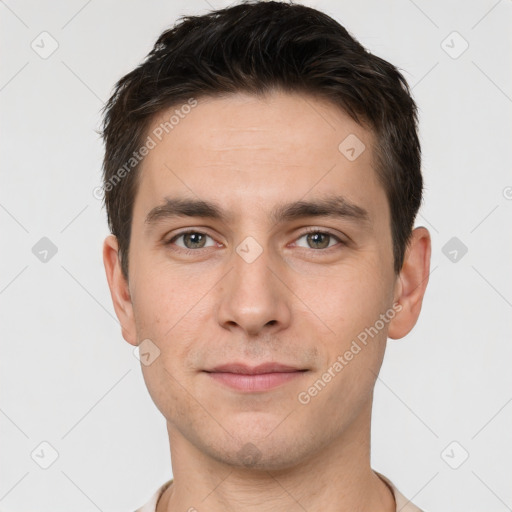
{"x": 332, "y": 206}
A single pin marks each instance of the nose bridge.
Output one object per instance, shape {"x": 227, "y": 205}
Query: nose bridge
{"x": 251, "y": 272}
{"x": 252, "y": 297}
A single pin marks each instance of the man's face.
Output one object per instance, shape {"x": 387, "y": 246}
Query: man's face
{"x": 264, "y": 280}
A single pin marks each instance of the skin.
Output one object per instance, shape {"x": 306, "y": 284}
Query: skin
{"x": 301, "y": 303}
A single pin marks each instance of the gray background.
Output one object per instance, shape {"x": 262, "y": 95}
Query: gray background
{"x": 69, "y": 379}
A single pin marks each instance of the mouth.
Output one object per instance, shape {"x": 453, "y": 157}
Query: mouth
{"x": 253, "y": 379}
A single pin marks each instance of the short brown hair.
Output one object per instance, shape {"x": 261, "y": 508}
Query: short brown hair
{"x": 257, "y": 47}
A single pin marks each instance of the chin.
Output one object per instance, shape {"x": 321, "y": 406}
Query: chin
{"x": 271, "y": 453}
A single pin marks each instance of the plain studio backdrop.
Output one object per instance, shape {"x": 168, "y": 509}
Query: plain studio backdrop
{"x": 73, "y": 398}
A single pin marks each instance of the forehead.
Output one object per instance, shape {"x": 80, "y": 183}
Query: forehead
{"x": 274, "y": 123}
{"x": 258, "y": 151}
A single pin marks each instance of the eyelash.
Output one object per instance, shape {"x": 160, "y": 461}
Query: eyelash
{"x": 305, "y": 233}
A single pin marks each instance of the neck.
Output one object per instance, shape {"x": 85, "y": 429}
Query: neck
{"x": 337, "y": 477}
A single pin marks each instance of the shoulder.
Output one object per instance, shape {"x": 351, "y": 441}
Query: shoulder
{"x": 150, "y": 506}
{"x": 402, "y": 503}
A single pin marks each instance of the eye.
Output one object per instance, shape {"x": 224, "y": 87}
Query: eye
{"x": 192, "y": 240}
{"x": 319, "y": 240}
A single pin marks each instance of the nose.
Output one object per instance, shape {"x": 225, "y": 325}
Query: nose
{"x": 252, "y": 298}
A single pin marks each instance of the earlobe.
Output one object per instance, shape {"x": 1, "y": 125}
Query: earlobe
{"x": 412, "y": 283}
{"x": 119, "y": 290}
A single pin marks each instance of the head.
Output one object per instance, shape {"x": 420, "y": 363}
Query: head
{"x": 262, "y": 177}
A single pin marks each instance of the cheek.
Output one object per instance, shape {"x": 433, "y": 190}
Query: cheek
{"x": 159, "y": 300}
{"x": 172, "y": 314}
{"x": 348, "y": 299}
{"x": 167, "y": 389}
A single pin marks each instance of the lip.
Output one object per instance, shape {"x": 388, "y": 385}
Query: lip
{"x": 263, "y": 377}
{"x": 245, "y": 369}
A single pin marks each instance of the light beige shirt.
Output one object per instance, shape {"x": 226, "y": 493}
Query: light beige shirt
{"x": 402, "y": 503}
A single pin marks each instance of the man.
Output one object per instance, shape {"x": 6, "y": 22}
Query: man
{"x": 262, "y": 177}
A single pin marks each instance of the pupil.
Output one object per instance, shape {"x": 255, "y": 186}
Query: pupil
{"x": 316, "y": 238}
{"x": 195, "y": 239}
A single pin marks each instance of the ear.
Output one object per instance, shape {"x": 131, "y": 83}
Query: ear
{"x": 411, "y": 283}
{"x": 119, "y": 289}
